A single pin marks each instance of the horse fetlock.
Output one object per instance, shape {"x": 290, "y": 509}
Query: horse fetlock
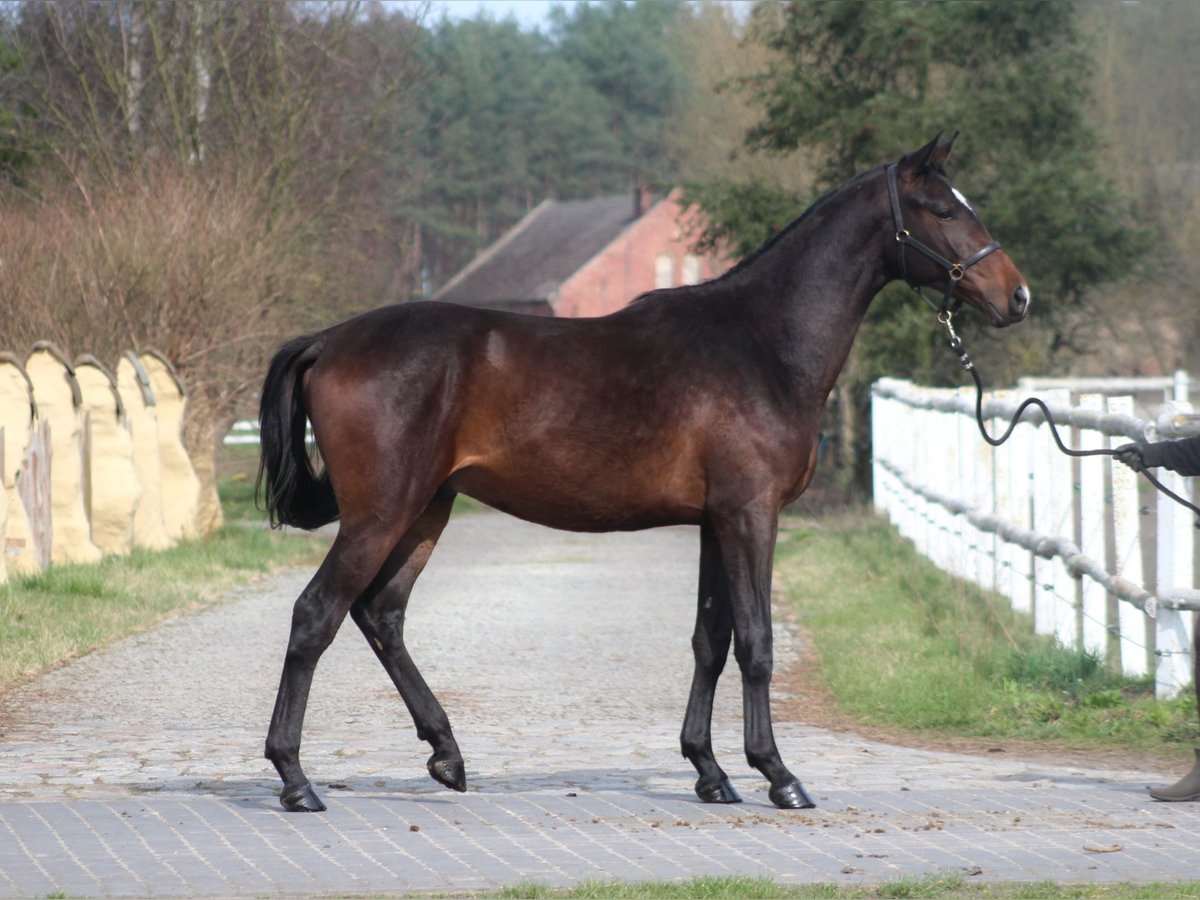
{"x": 696, "y": 750}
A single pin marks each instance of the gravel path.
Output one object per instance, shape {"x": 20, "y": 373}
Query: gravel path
{"x": 563, "y": 662}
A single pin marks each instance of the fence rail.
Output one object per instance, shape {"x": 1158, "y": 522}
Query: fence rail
{"x": 245, "y": 431}
{"x": 1068, "y": 540}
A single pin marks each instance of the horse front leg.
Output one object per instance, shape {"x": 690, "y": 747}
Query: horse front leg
{"x": 747, "y": 541}
{"x": 710, "y": 646}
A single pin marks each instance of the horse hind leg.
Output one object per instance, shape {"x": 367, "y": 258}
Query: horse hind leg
{"x": 710, "y": 646}
{"x": 380, "y": 616}
{"x": 346, "y": 572}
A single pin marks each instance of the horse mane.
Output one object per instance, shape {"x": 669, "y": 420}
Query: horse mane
{"x": 796, "y": 223}
{"x": 817, "y": 206}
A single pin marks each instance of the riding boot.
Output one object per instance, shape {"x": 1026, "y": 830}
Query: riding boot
{"x": 1186, "y": 788}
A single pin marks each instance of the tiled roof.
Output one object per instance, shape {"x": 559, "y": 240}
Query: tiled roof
{"x": 540, "y": 252}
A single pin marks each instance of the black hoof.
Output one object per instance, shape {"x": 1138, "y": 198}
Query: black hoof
{"x": 720, "y": 792}
{"x": 791, "y": 796}
{"x": 302, "y": 799}
{"x": 449, "y": 772}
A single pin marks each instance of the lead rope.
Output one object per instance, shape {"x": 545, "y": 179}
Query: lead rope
{"x": 956, "y": 344}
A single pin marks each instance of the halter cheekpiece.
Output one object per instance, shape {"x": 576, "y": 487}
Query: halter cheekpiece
{"x": 954, "y": 270}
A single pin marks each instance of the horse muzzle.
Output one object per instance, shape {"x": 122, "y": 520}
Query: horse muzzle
{"x": 1018, "y": 308}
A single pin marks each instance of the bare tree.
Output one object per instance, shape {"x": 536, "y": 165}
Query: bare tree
{"x": 212, "y": 167}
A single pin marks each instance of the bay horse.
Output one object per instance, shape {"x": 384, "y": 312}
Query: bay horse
{"x": 693, "y": 405}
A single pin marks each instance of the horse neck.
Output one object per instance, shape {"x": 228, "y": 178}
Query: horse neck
{"x": 811, "y": 289}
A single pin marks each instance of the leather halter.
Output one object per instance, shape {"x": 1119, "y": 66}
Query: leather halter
{"x": 954, "y": 270}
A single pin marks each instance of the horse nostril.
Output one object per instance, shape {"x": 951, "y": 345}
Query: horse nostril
{"x": 1020, "y": 301}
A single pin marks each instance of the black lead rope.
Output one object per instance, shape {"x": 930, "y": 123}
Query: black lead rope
{"x": 960, "y": 351}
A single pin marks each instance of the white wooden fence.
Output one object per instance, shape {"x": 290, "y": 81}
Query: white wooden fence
{"x": 1068, "y": 540}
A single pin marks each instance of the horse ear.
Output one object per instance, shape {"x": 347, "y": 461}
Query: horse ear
{"x": 946, "y": 149}
{"x": 920, "y": 161}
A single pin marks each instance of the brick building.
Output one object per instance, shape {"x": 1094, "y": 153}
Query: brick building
{"x": 584, "y": 258}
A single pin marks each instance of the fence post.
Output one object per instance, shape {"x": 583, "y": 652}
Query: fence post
{"x": 1127, "y": 547}
{"x": 1062, "y": 485}
{"x": 925, "y": 466}
{"x": 34, "y": 488}
{"x": 1043, "y": 600}
{"x": 971, "y": 541}
{"x": 983, "y": 497}
{"x": 1092, "y": 515}
{"x": 878, "y": 416}
{"x": 894, "y": 497}
{"x": 949, "y": 553}
{"x": 1175, "y": 543}
{"x": 1020, "y": 488}
{"x": 1002, "y": 503}
{"x": 1051, "y": 516}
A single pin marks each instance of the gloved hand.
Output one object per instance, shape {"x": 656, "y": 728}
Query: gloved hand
{"x": 1139, "y": 455}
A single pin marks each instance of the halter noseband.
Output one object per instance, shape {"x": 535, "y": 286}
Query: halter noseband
{"x": 954, "y": 270}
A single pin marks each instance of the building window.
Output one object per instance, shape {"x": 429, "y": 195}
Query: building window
{"x": 664, "y": 271}
{"x": 690, "y": 270}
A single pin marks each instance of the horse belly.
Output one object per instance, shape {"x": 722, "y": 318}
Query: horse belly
{"x": 581, "y": 500}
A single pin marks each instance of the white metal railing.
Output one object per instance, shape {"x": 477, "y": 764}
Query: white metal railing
{"x": 1057, "y": 535}
{"x": 246, "y": 431}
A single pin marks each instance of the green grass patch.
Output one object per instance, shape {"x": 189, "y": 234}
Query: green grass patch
{"x": 237, "y": 499}
{"x": 904, "y": 645}
{"x": 69, "y": 610}
{"x": 942, "y": 888}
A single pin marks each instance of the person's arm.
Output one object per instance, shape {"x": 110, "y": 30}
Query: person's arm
{"x": 1182, "y": 456}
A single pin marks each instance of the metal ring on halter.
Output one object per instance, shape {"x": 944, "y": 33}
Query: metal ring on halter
{"x": 957, "y": 272}
{"x": 944, "y": 316}
{"x": 902, "y": 236}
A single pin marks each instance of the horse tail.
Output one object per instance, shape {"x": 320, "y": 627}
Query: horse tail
{"x": 288, "y": 485}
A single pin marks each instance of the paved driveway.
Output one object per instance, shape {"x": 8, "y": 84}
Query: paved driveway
{"x": 563, "y": 661}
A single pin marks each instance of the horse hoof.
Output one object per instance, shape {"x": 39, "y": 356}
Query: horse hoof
{"x": 791, "y": 796}
{"x": 303, "y": 799}
{"x": 721, "y": 792}
{"x": 449, "y": 772}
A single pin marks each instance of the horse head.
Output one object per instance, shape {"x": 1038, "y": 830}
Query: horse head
{"x": 941, "y": 242}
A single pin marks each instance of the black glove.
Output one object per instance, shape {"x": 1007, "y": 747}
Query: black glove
{"x": 1139, "y": 456}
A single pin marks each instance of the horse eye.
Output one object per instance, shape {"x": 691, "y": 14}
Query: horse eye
{"x": 944, "y": 214}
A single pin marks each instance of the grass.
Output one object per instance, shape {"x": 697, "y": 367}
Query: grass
{"x": 903, "y": 645}
{"x": 69, "y": 610}
{"x": 942, "y": 888}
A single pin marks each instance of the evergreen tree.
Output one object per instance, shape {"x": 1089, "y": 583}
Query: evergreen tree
{"x": 626, "y": 54}
{"x": 18, "y": 144}
{"x": 514, "y": 117}
{"x": 854, "y": 85}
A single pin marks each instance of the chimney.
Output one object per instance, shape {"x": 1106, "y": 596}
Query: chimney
{"x": 643, "y": 197}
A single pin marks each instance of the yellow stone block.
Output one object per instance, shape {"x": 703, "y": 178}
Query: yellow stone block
{"x": 56, "y": 394}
